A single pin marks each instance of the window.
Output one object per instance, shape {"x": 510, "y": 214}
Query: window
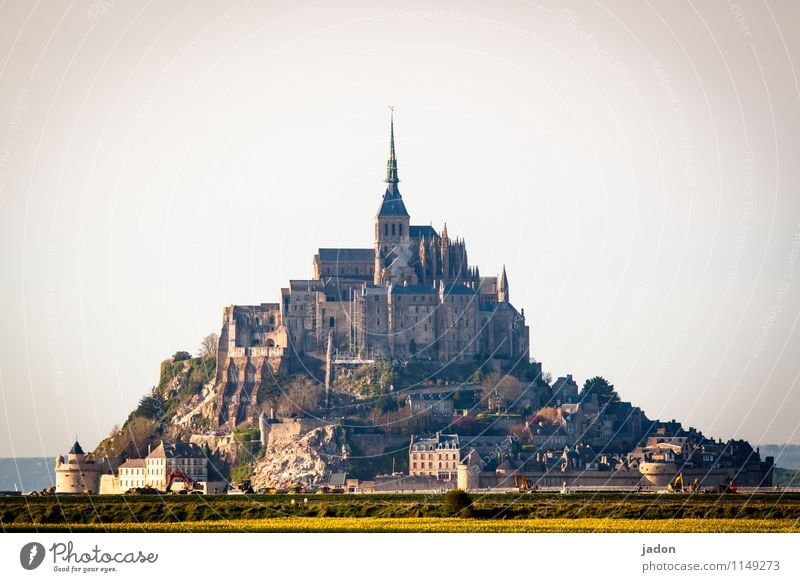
{"x": 392, "y": 229}
{"x": 401, "y": 229}
{"x": 385, "y": 231}
{"x": 330, "y": 322}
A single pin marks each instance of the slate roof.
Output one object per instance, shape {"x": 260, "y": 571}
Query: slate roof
{"x": 179, "y": 450}
{"x": 337, "y": 479}
{"x": 347, "y": 255}
{"x": 458, "y": 289}
{"x": 392, "y": 204}
{"x": 418, "y": 289}
{"x": 76, "y": 449}
{"x": 132, "y": 464}
{"x": 439, "y": 441}
{"x": 416, "y": 231}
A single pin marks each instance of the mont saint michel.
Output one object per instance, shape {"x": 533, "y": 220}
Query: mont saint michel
{"x": 413, "y": 296}
{"x": 398, "y": 367}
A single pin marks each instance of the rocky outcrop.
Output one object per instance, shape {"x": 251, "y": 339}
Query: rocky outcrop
{"x": 304, "y": 458}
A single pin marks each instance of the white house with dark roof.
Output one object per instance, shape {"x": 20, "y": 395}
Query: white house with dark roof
{"x": 436, "y": 456}
{"x": 187, "y": 458}
{"x": 132, "y": 474}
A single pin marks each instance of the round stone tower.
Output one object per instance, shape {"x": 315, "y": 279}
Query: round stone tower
{"x": 77, "y": 475}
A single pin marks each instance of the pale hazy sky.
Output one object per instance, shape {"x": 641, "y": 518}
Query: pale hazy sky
{"x": 636, "y": 166}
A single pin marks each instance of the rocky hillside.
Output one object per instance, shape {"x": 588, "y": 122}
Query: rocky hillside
{"x": 304, "y": 443}
{"x": 295, "y": 457}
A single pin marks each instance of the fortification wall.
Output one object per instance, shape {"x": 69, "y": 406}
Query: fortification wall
{"x": 586, "y": 479}
{"x": 410, "y": 484}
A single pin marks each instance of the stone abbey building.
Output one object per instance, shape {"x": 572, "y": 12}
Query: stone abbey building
{"x": 412, "y": 295}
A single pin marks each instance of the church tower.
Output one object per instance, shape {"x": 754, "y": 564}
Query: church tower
{"x": 392, "y": 237}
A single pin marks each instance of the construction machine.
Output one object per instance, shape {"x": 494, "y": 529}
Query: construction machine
{"x": 729, "y": 487}
{"x": 677, "y": 485}
{"x": 243, "y": 488}
{"x": 521, "y": 483}
{"x": 188, "y": 484}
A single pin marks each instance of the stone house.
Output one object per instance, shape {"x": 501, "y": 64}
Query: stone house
{"x": 436, "y": 456}
{"x": 131, "y": 474}
{"x": 187, "y": 458}
{"x": 438, "y": 404}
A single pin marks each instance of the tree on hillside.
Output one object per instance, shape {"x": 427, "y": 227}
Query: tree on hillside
{"x": 209, "y": 346}
{"x": 546, "y": 415}
{"x": 500, "y": 391}
{"x": 600, "y": 387}
{"x": 181, "y": 356}
{"x": 302, "y": 397}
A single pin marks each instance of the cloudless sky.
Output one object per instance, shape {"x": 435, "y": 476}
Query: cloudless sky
{"x": 634, "y": 166}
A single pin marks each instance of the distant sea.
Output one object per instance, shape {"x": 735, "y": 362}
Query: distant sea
{"x": 27, "y": 474}
{"x": 786, "y": 456}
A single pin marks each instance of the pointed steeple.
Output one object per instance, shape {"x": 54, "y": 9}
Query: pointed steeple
{"x": 392, "y": 204}
{"x": 391, "y": 163}
{"x": 502, "y": 287}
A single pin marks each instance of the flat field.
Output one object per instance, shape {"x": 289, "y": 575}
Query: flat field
{"x": 583, "y": 512}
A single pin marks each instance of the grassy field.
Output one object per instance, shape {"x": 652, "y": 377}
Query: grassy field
{"x": 405, "y": 513}
{"x": 441, "y": 525}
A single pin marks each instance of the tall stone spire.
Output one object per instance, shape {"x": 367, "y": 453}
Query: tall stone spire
{"x": 502, "y": 287}
{"x": 391, "y": 163}
{"x": 392, "y": 203}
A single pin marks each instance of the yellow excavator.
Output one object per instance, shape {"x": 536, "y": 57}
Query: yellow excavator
{"x": 677, "y": 485}
{"x": 521, "y": 483}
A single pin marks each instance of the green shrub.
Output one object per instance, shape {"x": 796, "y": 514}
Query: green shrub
{"x": 457, "y": 503}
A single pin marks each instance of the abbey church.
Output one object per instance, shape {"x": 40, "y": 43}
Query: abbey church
{"x": 412, "y": 296}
